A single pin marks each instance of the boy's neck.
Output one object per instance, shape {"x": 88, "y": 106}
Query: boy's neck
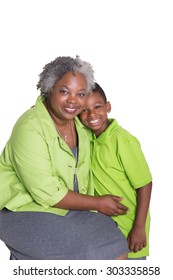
{"x": 101, "y": 130}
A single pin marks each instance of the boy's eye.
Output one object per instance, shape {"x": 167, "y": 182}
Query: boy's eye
{"x": 84, "y": 111}
{"x": 97, "y": 106}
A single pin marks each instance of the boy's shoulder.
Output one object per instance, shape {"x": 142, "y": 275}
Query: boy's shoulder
{"x": 120, "y": 133}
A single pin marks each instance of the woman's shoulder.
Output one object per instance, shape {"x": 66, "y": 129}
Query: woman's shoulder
{"x": 30, "y": 119}
{"x": 81, "y": 128}
{"x": 26, "y": 120}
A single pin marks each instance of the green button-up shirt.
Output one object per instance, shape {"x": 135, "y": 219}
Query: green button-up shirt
{"x": 37, "y": 167}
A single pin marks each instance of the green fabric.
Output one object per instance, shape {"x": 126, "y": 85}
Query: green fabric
{"x": 119, "y": 168}
{"x": 37, "y": 167}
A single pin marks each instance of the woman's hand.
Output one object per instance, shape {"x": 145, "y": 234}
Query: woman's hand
{"x": 107, "y": 204}
{"x": 110, "y": 205}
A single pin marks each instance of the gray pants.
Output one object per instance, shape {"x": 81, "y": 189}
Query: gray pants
{"x": 45, "y": 236}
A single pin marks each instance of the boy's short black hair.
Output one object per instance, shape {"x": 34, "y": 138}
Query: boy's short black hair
{"x": 97, "y": 88}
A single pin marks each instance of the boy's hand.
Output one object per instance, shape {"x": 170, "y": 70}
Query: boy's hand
{"x": 110, "y": 205}
{"x": 137, "y": 239}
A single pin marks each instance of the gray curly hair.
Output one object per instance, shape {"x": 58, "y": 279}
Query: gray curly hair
{"x": 57, "y": 68}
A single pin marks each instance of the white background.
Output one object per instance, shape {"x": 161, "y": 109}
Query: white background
{"x": 130, "y": 45}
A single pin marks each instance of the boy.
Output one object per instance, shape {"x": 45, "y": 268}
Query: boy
{"x": 119, "y": 168}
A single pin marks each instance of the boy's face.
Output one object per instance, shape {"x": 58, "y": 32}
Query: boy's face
{"x": 95, "y": 113}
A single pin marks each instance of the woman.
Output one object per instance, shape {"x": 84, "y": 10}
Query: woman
{"x": 46, "y": 188}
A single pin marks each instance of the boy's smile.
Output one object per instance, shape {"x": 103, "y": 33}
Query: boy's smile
{"x": 95, "y": 113}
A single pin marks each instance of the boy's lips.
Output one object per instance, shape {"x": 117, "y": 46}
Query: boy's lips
{"x": 94, "y": 122}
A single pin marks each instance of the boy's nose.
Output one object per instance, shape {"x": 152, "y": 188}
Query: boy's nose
{"x": 91, "y": 112}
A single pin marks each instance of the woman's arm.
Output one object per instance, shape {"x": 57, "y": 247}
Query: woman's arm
{"x": 31, "y": 161}
{"x": 107, "y": 204}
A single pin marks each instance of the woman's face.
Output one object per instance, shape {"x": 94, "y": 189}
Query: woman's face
{"x": 67, "y": 99}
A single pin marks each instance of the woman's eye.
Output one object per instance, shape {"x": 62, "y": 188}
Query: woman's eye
{"x": 81, "y": 94}
{"x": 64, "y": 92}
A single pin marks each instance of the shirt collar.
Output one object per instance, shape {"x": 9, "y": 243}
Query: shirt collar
{"x": 102, "y": 137}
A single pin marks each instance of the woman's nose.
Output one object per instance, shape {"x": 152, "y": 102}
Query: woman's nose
{"x": 71, "y": 99}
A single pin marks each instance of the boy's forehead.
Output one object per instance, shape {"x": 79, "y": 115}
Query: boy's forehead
{"x": 94, "y": 97}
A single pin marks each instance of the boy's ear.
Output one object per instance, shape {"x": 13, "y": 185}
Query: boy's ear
{"x": 108, "y": 106}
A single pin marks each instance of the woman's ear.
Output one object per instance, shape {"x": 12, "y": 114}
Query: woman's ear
{"x": 108, "y": 106}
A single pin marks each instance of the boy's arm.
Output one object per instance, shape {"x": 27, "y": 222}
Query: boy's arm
{"x": 137, "y": 236}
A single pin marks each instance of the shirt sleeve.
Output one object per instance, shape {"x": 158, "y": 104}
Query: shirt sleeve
{"x": 133, "y": 161}
{"x": 33, "y": 166}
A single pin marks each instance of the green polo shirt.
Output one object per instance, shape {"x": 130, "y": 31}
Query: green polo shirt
{"x": 37, "y": 167}
{"x": 119, "y": 168}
